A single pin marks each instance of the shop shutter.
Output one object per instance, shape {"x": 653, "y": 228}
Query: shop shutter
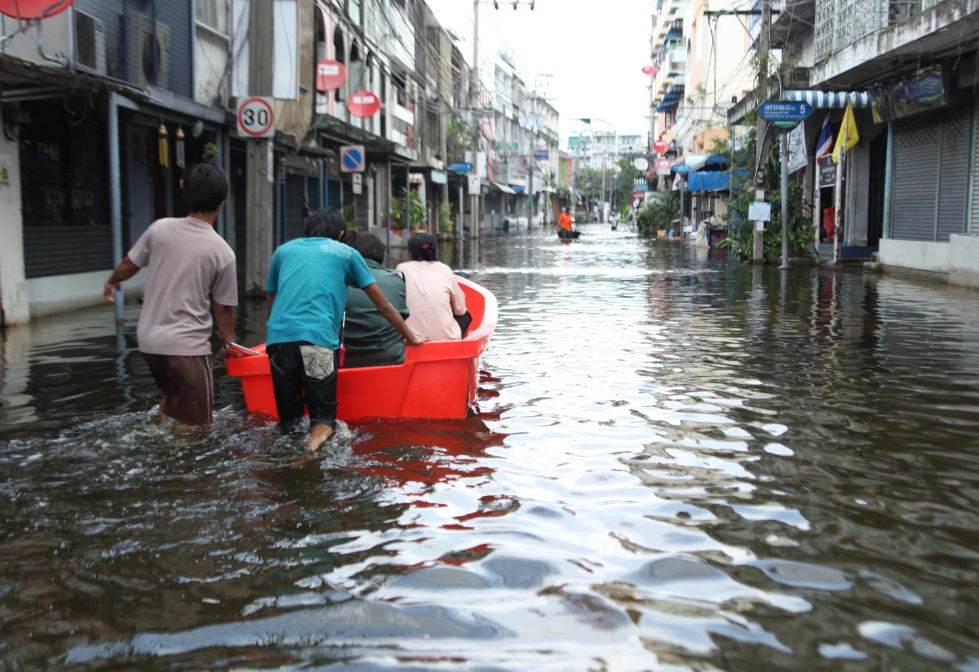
{"x": 915, "y": 196}
{"x": 931, "y": 175}
{"x": 64, "y": 197}
{"x": 953, "y": 192}
{"x": 60, "y": 250}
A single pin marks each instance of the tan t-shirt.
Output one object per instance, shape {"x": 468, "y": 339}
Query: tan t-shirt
{"x": 188, "y": 266}
{"x": 433, "y": 297}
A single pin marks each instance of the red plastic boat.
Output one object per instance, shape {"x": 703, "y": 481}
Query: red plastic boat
{"x": 437, "y": 379}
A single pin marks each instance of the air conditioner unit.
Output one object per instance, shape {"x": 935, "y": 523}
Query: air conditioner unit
{"x": 89, "y": 53}
{"x": 141, "y": 46}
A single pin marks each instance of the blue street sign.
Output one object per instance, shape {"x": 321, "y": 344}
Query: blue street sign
{"x": 352, "y": 159}
{"x": 682, "y": 168}
{"x": 541, "y": 154}
{"x": 460, "y": 167}
{"x": 782, "y": 110}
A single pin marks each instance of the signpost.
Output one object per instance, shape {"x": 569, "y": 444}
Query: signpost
{"x": 460, "y": 167}
{"x": 330, "y": 75}
{"x": 787, "y": 112}
{"x": 785, "y": 115}
{"x": 473, "y": 184}
{"x": 682, "y": 168}
{"x": 352, "y": 159}
{"x": 541, "y": 154}
{"x": 363, "y": 104}
{"x": 661, "y": 146}
{"x": 663, "y": 166}
{"x": 649, "y": 70}
{"x": 640, "y": 163}
{"x": 256, "y": 117}
{"x": 358, "y": 183}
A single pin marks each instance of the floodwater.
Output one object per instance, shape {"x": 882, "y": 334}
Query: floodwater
{"x": 676, "y": 463}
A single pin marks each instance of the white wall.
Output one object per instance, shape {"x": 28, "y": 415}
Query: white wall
{"x": 59, "y": 293}
{"x": 916, "y": 255}
{"x": 964, "y": 260}
{"x": 13, "y": 286}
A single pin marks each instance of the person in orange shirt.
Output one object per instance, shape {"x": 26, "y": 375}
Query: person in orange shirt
{"x": 564, "y": 223}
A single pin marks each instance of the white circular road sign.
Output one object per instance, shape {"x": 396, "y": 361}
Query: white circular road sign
{"x": 256, "y": 117}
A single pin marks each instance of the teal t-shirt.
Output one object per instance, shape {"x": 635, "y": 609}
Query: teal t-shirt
{"x": 310, "y": 277}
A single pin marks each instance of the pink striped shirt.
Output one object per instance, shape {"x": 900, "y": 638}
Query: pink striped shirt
{"x": 434, "y": 297}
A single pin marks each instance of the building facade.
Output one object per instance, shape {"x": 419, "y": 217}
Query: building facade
{"x": 907, "y": 67}
{"x": 107, "y": 103}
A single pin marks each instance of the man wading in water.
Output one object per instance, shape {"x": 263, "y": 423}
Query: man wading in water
{"x": 189, "y": 267}
{"x": 307, "y": 286}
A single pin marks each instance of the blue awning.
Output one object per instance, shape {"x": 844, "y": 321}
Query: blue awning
{"x": 830, "y": 100}
{"x": 712, "y": 180}
{"x": 709, "y": 181}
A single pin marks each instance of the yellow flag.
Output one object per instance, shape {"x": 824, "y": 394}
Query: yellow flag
{"x": 848, "y": 136}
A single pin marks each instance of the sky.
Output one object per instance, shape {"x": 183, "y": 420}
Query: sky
{"x": 595, "y": 50}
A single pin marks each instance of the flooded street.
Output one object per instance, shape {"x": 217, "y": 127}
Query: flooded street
{"x": 676, "y": 463}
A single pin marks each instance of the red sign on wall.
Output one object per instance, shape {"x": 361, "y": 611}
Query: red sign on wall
{"x": 649, "y": 70}
{"x": 330, "y": 75}
{"x": 363, "y": 104}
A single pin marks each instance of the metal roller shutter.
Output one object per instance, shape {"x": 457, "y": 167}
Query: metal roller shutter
{"x": 64, "y": 193}
{"x": 915, "y": 179}
{"x": 953, "y": 193}
{"x": 931, "y": 176}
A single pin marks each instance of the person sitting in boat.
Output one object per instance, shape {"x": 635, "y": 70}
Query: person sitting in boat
{"x": 369, "y": 338}
{"x": 434, "y": 297}
{"x": 564, "y": 224}
{"x": 307, "y": 286}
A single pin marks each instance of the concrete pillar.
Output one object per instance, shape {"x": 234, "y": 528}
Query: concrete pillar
{"x": 13, "y": 284}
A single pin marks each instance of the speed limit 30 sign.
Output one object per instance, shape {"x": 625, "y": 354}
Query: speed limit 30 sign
{"x": 256, "y": 117}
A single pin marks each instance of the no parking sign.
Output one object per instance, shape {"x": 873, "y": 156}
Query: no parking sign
{"x": 352, "y": 159}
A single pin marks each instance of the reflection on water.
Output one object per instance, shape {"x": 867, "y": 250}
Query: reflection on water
{"x": 675, "y": 462}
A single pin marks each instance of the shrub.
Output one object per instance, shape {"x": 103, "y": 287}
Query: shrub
{"x": 446, "y": 225}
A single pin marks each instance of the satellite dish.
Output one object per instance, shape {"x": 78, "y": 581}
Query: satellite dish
{"x": 31, "y": 10}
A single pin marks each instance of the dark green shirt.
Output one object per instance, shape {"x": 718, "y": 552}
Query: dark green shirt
{"x": 369, "y": 338}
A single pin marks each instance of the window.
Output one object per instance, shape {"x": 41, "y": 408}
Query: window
{"x": 213, "y": 14}
{"x": 285, "y": 46}
{"x": 353, "y": 11}
{"x": 285, "y": 78}
{"x": 339, "y": 54}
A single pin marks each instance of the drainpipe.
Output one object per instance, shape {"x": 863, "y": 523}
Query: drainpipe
{"x": 115, "y": 193}
{"x": 222, "y": 218}
{"x": 888, "y": 179}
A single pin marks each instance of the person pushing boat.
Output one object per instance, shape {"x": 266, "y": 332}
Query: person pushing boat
{"x": 307, "y": 286}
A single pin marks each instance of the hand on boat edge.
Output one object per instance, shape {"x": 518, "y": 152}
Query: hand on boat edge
{"x": 417, "y": 340}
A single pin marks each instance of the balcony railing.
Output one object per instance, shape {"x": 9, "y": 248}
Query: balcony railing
{"x": 840, "y": 23}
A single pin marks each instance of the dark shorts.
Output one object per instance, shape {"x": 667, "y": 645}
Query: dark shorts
{"x": 187, "y": 384}
{"x": 304, "y": 376}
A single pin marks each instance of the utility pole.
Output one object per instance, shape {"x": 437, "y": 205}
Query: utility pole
{"x": 259, "y": 165}
{"x": 784, "y": 140}
{"x": 758, "y": 241}
{"x": 475, "y": 106}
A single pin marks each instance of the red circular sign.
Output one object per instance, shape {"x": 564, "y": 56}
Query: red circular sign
{"x": 649, "y": 70}
{"x": 26, "y": 10}
{"x": 330, "y": 75}
{"x": 661, "y": 146}
{"x": 363, "y": 104}
{"x": 255, "y": 117}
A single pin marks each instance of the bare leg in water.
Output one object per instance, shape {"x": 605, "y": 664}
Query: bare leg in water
{"x": 318, "y": 435}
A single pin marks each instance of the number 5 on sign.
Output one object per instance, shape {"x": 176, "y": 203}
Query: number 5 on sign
{"x": 256, "y": 117}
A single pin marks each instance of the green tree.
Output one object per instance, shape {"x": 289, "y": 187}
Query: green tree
{"x": 416, "y": 212}
{"x": 625, "y": 182}
{"x": 740, "y": 231}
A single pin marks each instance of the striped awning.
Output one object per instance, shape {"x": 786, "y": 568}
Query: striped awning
{"x": 829, "y": 100}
